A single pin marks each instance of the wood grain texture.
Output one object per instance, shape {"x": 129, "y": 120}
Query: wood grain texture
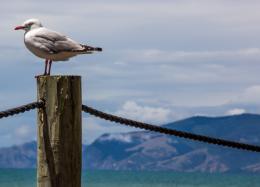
{"x": 59, "y": 132}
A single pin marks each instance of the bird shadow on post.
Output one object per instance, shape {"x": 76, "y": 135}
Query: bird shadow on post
{"x": 59, "y": 132}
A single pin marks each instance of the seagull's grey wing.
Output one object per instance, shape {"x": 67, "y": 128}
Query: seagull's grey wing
{"x": 40, "y": 44}
{"x": 57, "y": 42}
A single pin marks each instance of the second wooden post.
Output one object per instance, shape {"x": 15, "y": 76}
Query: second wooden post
{"x": 59, "y": 132}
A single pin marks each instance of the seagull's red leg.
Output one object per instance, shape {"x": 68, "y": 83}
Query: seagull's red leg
{"x": 46, "y": 65}
{"x": 45, "y": 70}
{"x": 50, "y": 63}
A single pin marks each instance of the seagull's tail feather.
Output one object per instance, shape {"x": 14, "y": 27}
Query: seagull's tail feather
{"x": 91, "y": 49}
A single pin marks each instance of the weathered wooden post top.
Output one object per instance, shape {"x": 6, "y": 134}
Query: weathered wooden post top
{"x": 59, "y": 131}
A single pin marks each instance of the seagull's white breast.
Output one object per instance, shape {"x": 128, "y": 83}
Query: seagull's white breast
{"x": 30, "y": 44}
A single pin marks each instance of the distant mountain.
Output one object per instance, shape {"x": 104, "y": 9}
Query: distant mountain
{"x": 154, "y": 151}
{"x": 144, "y": 150}
{"x": 23, "y": 156}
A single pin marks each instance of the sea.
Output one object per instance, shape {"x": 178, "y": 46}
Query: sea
{"x": 27, "y": 178}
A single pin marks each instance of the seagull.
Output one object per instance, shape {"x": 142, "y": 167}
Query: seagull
{"x": 51, "y": 45}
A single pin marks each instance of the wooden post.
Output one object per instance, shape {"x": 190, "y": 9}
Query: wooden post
{"x": 59, "y": 132}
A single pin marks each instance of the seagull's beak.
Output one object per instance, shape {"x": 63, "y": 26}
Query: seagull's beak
{"x": 19, "y": 27}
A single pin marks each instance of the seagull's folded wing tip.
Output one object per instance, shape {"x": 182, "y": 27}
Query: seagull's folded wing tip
{"x": 99, "y": 49}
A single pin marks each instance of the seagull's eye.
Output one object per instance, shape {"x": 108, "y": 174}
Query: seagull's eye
{"x": 28, "y": 25}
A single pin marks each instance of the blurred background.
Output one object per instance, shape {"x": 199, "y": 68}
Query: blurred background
{"x": 161, "y": 61}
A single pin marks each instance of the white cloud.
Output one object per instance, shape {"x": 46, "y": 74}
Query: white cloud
{"x": 92, "y": 128}
{"x": 159, "y": 56}
{"x": 236, "y": 111}
{"x": 22, "y": 131}
{"x": 132, "y": 110}
{"x": 119, "y": 137}
{"x": 250, "y": 95}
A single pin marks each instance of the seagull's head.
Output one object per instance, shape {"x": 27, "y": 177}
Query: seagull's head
{"x": 29, "y": 25}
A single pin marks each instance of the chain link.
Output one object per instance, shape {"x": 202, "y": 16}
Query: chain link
{"x": 21, "y": 109}
{"x": 182, "y": 134}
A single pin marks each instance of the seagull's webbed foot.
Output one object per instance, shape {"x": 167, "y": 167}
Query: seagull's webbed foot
{"x": 36, "y": 76}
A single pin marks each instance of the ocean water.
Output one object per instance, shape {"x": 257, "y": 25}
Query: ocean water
{"x": 27, "y": 178}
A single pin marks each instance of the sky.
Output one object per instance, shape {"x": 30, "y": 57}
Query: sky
{"x": 162, "y": 61}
